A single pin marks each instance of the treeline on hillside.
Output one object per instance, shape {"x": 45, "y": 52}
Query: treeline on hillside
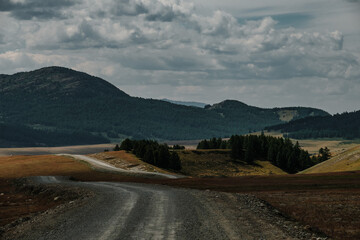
{"x": 213, "y": 143}
{"x": 12, "y": 135}
{"x": 345, "y": 125}
{"x": 152, "y": 152}
{"x": 280, "y": 152}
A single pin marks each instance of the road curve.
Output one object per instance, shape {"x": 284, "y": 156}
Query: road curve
{"x": 105, "y": 166}
{"x": 144, "y": 211}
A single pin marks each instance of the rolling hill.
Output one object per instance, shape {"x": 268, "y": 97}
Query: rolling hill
{"x": 349, "y": 160}
{"x": 209, "y": 163}
{"x": 61, "y": 100}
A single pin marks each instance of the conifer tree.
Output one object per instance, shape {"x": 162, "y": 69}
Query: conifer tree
{"x": 126, "y": 145}
{"x": 175, "y": 162}
{"x": 116, "y": 148}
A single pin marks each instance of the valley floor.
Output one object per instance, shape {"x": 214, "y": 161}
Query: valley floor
{"x": 326, "y": 202}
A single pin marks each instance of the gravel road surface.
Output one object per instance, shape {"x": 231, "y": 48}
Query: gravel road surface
{"x": 144, "y": 211}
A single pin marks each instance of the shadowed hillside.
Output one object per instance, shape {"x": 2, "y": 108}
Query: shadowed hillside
{"x": 63, "y": 100}
{"x": 345, "y": 125}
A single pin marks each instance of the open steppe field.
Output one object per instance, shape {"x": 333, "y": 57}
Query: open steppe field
{"x": 327, "y": 202}
{"x": 43, "y": 165}
{"x": 336, "y": 146}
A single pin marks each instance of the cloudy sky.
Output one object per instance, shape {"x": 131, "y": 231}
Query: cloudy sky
{"x": 264, "y": 53}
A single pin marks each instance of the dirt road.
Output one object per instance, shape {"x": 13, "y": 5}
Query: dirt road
{"x": 142, "y": 211}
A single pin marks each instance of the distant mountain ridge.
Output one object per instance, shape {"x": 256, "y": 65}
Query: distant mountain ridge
{"x": 345, "y": 125}
{"x": 66, "y": 101}
{"x": 186, "y": 103}
{"x": 235, "y": 110}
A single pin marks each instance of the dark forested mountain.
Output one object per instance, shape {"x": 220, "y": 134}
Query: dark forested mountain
{"x": 345, "y": 125}
{"x": 65, "y": 101}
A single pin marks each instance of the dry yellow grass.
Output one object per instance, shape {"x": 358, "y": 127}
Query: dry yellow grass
{"x": 202, "y": 163}
{"x": 348, "y": 160}
{"x": 45, "y": 165}
{"x": 80, "y": 149}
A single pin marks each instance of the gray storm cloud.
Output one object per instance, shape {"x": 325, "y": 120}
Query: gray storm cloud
{"x": 29, "y": 9}
{"x": 168, "y": 42}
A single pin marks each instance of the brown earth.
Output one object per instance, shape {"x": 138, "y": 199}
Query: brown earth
{"x": 22, "y": 199}
{"x": 335, "y": 212}
{"x": 15, "y": 204}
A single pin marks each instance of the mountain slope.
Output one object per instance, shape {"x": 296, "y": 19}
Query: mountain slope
{"x": 56, "y": 82}
{"x": 202, "y": 163}
{"x": 346, "y": 161}
{"x": 64, "y": 100}
{"x": 345, "y": 125}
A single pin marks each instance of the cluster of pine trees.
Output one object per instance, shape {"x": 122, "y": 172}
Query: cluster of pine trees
{"x": 152, "y": 152}
{"x": 279, "y": 151}
{"x": 177, "y": 147}
{"x": 213, "y": 143}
